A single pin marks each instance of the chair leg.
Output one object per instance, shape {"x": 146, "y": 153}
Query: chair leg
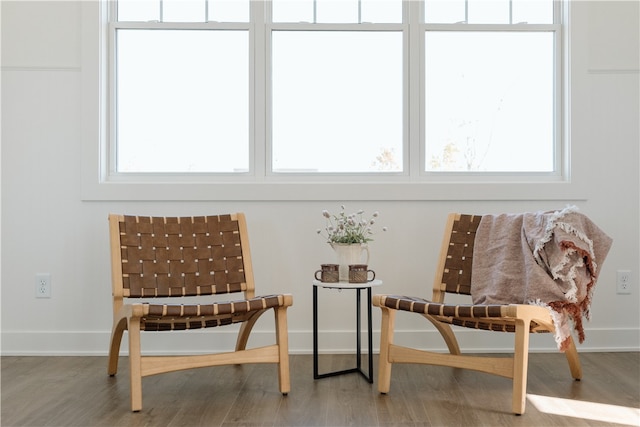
{"x": 571, "y": 353}
{"x": 114, "y": 347}
{"x": 386, "y": 340}
{"x": 245, "y": 330}
{"x": 520, "y": 366}
{"x": 282, "y": 340}
{"x": 135, "y": 362}
{"x": 447, "y": 334}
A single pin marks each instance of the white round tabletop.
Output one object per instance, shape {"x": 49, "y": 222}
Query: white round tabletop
{"x": 347, "y": 285}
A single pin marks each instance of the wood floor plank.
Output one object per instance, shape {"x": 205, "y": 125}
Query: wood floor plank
{"x": 76, "y": 391}
{"x": 306, "y": 404}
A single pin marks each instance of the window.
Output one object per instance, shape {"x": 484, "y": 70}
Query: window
{"x": 491, "y": 74}
{"x": 350, "y": 91}
{"x": 181, "y": 87}
{"x": 182, "y": 100}
{"x": 337, "y": 101}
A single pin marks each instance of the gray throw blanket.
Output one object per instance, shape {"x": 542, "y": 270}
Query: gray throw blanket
{"x": 550, "y": 259}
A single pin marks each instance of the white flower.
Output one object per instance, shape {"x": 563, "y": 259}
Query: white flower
{"x": 348, "y": 228}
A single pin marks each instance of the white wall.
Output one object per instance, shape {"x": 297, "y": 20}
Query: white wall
{"x": 46, "y": 227}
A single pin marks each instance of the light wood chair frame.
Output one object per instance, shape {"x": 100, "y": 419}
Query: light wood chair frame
{"x": 518, "y": 318}
{"x": 131, "y": 317}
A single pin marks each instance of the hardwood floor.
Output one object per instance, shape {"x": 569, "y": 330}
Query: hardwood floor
{"x": 76, "y": 391}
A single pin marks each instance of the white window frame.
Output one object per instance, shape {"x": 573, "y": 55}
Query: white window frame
{"x": 101, "y": 182}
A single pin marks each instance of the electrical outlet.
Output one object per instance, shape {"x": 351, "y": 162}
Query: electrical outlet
{"x": 623, "y": 282}
{"x": 43, "y": 285}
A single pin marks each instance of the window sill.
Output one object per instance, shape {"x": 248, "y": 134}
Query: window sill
{"x": 307, "y": 191}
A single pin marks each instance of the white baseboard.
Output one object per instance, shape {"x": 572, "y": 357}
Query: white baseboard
{"x": 96, "y": 343}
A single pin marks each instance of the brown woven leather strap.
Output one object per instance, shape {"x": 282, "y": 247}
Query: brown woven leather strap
{"x": 181, "y": 256}
{"x": 419, "y": 305}
{"x": 166, "y": 317}
{"x": 456, "y": 276}
{"x": 486, "y": 317}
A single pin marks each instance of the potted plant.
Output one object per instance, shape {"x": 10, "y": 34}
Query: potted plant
{"x": 349, "y": 235}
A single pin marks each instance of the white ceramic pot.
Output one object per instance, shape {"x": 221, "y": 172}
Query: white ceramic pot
{"x": 348, "y": 254}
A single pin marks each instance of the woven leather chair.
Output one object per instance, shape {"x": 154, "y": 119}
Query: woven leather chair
{"x": 155, "y": 257}
{"x": 453, "y": 275}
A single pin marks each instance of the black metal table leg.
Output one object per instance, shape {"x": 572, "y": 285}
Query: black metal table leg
{"x": 358, "y": 332}
{"x": 315, "y": 332}
{"x": 370, "y": 330}
{"x": 358, "y": 368}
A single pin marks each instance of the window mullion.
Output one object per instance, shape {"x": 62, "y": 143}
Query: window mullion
{"x": 466, "y": 11}
{"x": 260, "y": 50}
{"x": 461, "y": 27}
{"x": 414, "y": 84}
{"x": 510, "y": 11}
{"x": 111, "y": 153}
